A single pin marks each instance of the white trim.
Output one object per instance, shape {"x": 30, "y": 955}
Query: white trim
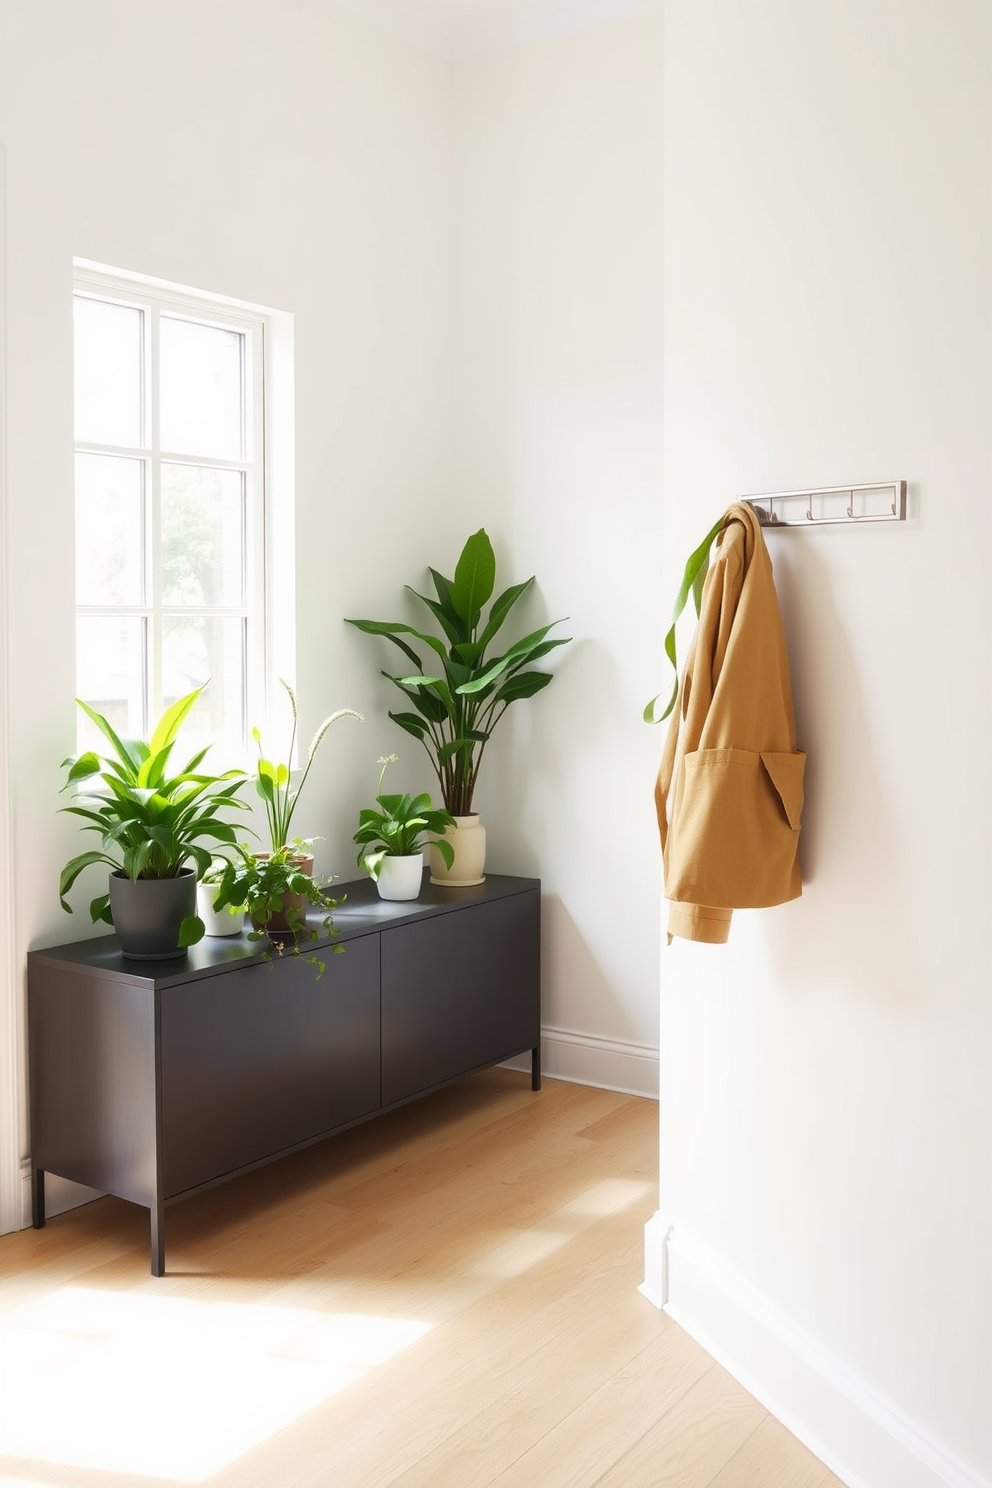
{"x": 511, "y": 23}
{"x": 657, "y": 1233}
{"x": 608, "y": 1064}
{"x": 12, "y": 1134}
{"x": 156, "y": 298}
{"x": 863, "y": 1438}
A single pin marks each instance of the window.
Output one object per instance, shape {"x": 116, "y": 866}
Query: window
{"x": 170, "y": 511}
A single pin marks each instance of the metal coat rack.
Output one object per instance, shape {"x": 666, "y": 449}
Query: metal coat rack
{"x": 870, "y": 501}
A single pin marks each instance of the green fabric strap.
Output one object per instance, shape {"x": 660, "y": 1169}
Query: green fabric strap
{"x": 693, "y": 579}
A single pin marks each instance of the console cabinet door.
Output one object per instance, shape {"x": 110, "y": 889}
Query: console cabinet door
{"x": 263, "y": 1058}
{"x": 459, "y": 991}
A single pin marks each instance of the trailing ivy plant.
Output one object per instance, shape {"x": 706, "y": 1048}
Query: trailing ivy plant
{"x": 275, "y": 891}
{"x": 458, "y": 690}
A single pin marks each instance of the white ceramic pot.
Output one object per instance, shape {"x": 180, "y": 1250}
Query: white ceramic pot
{"x": 401, "y": 877}
{"x": 468, "y": 838}
{"x": 226, "y": 921}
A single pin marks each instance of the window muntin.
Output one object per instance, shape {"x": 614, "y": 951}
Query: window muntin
{"x": 169, "y": 512}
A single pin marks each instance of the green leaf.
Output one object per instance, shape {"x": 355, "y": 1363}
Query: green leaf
{"x": 468, "y": 653}
{"x": 393, "y": 629}
{"x": 171, "y": 721}
{"x": 191, "y": 930}
{"x": 125, "y": 753}
{"x": 453, "y": 747}
{"x": 411, "y": 723}
{"x": 452, "y": 624}
{"x": 74, "y": 868}
{"x": 521, "y": 652}
{"x": 501, "y": 608}
{"x": 475, "y": 578}
{"x": 445, "y": 849}
{"x": 522, "y": 685}
{"x": 692, "y": 580}
{"x": 443, "y": 587}
{"x": 100, "y": 910}
{"x": 81, "y": 769}
{"x": 425, "y": 701}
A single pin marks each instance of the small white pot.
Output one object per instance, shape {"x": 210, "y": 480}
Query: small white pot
{"x": 226, "y": 921}
{"x": 468, "y": 838}
{"x": 400, "y": 878}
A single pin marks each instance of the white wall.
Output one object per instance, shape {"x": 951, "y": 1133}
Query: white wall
{"x": 290, "y": 155}
{"x": 826, "y": 1106}
{"x": 558, "y": 414}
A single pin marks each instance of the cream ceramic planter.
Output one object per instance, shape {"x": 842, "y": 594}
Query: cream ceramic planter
{"x": 400, "y": 877}
{"x": 468, "y": 838}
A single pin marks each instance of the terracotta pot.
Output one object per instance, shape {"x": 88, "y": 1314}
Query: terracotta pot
{"x": 278, "y": 924}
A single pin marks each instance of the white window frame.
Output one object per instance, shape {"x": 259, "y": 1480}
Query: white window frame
{"x": 267, "y": 466}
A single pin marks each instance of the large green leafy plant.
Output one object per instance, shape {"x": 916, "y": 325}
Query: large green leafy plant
{"x": 152, "y": 823}
{"x": 397, "y": 826}
{"x": 458, "y": 690}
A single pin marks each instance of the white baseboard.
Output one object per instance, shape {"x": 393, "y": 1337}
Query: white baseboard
{"x": 609, "y": 1064}
{"x": 865, "y": 1440}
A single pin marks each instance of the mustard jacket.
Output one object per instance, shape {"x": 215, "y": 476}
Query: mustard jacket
{"x": 730, "y": 829}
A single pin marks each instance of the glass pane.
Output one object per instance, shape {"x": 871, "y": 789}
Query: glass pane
{"x": 207, "y": 648}
{"x": 201, "y": 385}
{"x": 107, "y": 342}
{"x": 110, "y": 675}
{"x": 109, "y": 530}
{"x": 202, "y": 536}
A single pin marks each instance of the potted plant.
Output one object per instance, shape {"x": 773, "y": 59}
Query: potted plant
{"x": 391, "y": 839}
{"x": 276, "y": 892}
{"x": 154, "y": 827}
{"x": 274, "y": 782}
{"x": 459, "y": 691}
{"x": 217, "y": 922}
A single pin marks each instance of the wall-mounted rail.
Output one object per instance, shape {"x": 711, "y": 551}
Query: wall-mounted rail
{"x": 871, "y": 501}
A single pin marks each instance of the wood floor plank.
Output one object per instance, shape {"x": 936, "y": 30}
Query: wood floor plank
{"x": 586, "y": 1443}
{"x": 691, "y": 1442}
{"x": 773, "y": 1458}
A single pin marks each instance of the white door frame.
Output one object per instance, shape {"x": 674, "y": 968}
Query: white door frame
{"x": 12, "y": 1040}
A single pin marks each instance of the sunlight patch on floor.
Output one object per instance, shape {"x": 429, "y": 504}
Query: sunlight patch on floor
{"x": 170, "y": 1387}
{"x": 522, "y": 1249}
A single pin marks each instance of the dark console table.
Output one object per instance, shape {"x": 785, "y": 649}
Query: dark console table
{"x": 153, "y": 1080}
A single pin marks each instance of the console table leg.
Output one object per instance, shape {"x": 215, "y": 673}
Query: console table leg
{"x": 157, "y": 1216}
{"x": 535, "y": 1067}
{"x": 38, "y": 1199}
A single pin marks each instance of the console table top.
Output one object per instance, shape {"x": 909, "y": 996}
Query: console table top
{"x": 362, "y": 913}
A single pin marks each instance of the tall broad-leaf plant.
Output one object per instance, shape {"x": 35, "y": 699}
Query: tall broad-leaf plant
{"x": 460, "y": 686}
{"x": 152, "y": 821}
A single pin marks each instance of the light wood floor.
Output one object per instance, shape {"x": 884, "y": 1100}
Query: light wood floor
{"x": 443, "y": 1298}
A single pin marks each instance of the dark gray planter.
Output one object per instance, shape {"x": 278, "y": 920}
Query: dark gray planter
{"x": 147, "y": 914}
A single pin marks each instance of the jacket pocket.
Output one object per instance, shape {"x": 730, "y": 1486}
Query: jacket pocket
{"x": 734, "y": 836}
